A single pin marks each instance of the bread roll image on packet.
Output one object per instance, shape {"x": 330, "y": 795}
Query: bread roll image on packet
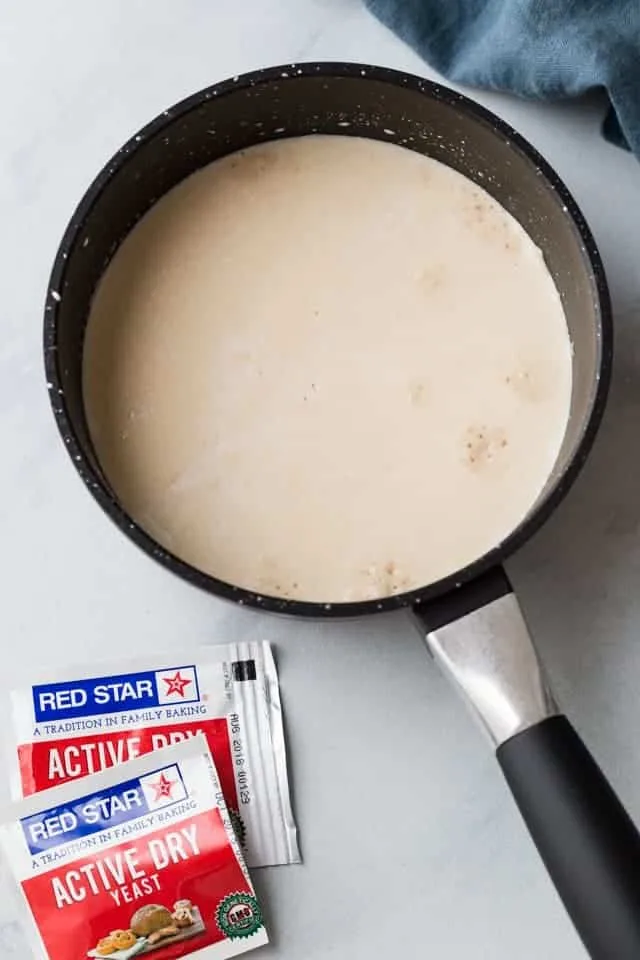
{"x": 140, "y": 860}
{"x": 80, "y": 720}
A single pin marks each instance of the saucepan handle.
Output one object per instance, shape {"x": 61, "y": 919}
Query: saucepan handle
{"x": 588, "y": 842}
{"x": 585, "y": 837}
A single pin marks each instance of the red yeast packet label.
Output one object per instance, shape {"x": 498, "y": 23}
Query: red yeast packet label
{"x": 82, "y": 721}
{"x": 140, "y": 860}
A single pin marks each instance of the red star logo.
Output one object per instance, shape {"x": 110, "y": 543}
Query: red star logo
{"x": 176, "y": 684}
{"x": 163, "y": 788}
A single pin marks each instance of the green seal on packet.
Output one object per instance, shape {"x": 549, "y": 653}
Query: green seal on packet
{"x": 239, "y": 916}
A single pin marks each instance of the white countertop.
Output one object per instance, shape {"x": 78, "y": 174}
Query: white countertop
{"x": 411, "y": 843}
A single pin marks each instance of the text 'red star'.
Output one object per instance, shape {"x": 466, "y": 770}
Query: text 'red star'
{"x": 176, "y": 684}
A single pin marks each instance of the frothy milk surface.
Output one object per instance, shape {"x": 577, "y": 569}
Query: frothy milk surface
{"x": 327, "y": 368}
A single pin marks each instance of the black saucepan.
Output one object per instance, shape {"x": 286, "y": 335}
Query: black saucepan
{"x": 471, "y": 620}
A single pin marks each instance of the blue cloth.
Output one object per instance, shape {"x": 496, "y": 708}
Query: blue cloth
{"x": 546, "y": 49}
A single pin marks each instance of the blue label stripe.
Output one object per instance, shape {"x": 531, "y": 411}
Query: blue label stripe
{"x": 111, "y": 694}
{"x": 94, "y": 812}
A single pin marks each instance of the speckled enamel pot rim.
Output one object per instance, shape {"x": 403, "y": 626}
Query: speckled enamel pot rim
{"x": 99, "y": 490}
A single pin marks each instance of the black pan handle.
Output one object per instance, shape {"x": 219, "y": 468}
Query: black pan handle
{"x": 585, "y": 837}
{"x": 588, "y": 843}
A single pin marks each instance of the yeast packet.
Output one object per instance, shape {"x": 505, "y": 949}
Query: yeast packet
{"x": 138, "y": 860}
{"x": 79, "y": 720}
